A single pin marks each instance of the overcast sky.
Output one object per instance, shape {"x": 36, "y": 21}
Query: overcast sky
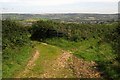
{"x": 59, "y": 6}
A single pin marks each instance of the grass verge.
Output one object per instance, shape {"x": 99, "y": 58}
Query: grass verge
{"x": 17, "y": 60}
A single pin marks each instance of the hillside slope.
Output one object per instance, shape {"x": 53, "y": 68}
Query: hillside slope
{"x": 52, "y": 62}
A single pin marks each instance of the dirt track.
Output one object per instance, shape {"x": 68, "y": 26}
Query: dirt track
{"x": 65, "y": 65}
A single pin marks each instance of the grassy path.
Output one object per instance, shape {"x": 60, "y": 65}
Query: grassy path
{"x": 52, "y": 62}
{"x": 30, "y": 64}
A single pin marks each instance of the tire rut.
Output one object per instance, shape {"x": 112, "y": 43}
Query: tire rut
{"x": 30, "y": 64}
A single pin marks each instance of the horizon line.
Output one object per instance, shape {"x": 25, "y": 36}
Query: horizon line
{"x": 57, "y": 13}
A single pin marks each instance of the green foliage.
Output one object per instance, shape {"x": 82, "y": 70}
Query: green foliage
{"x": 44, "y": 29}
{"x": 15, "y": 47}
{"x": 70, "y": 31}
{"x": 13, "y": 35}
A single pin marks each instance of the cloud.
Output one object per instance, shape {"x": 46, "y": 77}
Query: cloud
{"x": 9, "y": 1}
{"x": 59, "y": 5}
{"x": 59, "y": 0}
{"x": 50, "y": 2}
{"x": 40, "y": 2}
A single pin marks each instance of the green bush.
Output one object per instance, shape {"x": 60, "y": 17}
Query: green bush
{"x": 13, "y": 35}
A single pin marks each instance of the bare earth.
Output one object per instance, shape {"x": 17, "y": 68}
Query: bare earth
{"x": 75, "y": 68}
